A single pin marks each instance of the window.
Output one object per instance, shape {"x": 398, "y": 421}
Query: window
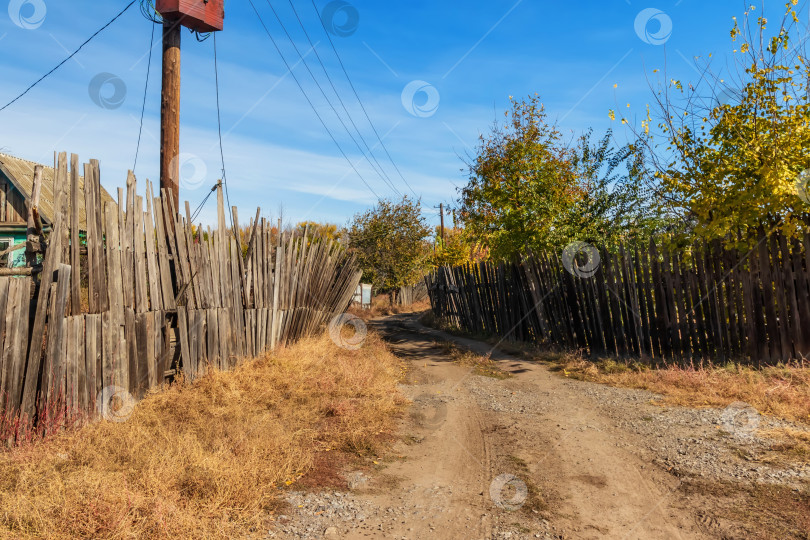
{"x": 5, "y": 260}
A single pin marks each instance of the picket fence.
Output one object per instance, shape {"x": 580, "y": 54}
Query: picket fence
{"x": 703, "y": 302}
{"x": 142, "y": 296}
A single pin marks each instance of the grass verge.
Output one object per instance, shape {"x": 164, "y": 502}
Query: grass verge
{"x": 782, "y": 391}
{"x": 207, "y": 460}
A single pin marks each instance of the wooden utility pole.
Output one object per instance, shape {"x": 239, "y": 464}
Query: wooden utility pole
{"x": 441, "y": 213}
{"x": 170, "y": 111}
{"x": 199, "y": 16}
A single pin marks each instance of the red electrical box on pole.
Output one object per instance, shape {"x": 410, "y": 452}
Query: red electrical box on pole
{"x": 200, "y": 15}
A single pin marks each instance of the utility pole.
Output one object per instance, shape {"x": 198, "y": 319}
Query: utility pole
{"x": 441, "y": 213}
{"x": 170, "y": 111}
{"x": 201, "y": 17}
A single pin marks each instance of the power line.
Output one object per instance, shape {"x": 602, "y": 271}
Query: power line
{"x": 297, "y": 82}
{"x": 328, "y": 102}
{"x": 146, "y": 88}
{"x": 332, "y": 84}
{"x": 219, "y": 129}
{"x": 360, "y": 101}
{"x": 74, "y": 53}
{"x": 380, "y": 172}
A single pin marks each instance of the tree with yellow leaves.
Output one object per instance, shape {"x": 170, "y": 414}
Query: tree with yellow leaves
{"x": 456, "y": 248}
{"x": 737, "y": 159}
{"x": 326, "y": 231}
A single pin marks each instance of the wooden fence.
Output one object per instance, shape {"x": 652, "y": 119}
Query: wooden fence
{"x": 148, "y": 296}
{"x": 650, "y": 302}
{"x": 412, "y": 294}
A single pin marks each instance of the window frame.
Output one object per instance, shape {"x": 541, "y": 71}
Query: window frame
{"x": 9, "y": 258}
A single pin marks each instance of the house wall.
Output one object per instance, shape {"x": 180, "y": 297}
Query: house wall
{"x": 12, "y": 204}
{"x": 12, "y": 236}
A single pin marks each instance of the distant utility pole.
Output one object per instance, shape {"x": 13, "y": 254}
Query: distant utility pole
{"x": 441, "y": 213}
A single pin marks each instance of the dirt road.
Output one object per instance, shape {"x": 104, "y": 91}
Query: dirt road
{"x": 530, "y": 456}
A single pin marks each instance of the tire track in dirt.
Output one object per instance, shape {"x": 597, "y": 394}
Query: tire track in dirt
{"x": 541, "y": 429}
{"x": 580, "y": 473}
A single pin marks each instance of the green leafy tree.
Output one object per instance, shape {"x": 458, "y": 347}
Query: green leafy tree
{"x": 389, "y": 242}
{"x": 616, "y": 199}
{"x": 529, "y": 190}
{"x": 521, "y": 177}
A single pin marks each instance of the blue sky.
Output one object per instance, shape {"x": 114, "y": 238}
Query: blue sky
{"x": 472, "y": 54}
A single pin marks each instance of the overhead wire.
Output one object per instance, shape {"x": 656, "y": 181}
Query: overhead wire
{"x": 380, "y": 173}
{"x": 148, "y": 10}
{"x": 360, "y": 101}
{"x": 74, "y": 53}
{"x": 314, "y": 109}
{"x": 335, "y": 90}
{"x": 145, "y": 90}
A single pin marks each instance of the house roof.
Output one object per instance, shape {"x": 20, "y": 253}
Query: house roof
{"x": 20, "y": 172}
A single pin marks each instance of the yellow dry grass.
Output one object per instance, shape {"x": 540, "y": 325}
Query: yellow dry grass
{"x": 206, "y": 460}
{"x": 778, "y": 391}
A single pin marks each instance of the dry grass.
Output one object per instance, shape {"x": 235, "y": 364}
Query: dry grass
{"x": 206, "y": 460}
{"x": 439, "y": 323}
{"x": 782, "y": 391}
{"x": 535, "y": 503}
{"x": 778, "y": 391}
